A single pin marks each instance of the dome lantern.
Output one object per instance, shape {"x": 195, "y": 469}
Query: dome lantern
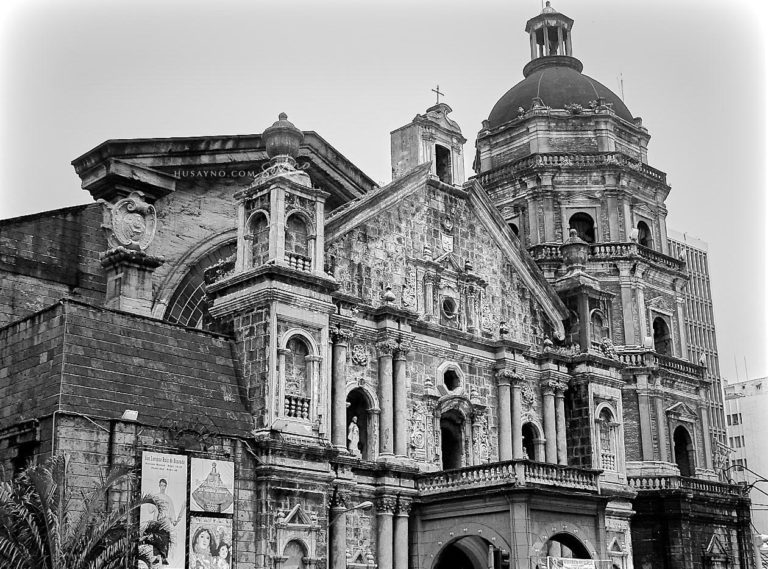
{"x": 550, "y": 33}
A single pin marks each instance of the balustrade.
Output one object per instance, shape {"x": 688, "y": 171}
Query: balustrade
{"x": 657, "y": 483}
{"x": 298, "y": 262}
{"x": 296, "y": 407}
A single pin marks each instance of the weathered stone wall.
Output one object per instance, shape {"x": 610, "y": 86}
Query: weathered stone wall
{"x": 45, "y": 257}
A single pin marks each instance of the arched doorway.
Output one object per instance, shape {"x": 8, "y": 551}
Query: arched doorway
{"x": 533, "y": 444}
{"x": 471, "y": 552}
{"x": 662, "y": 340}
{"x": 644, "y": 234}
{"x": 452, "y": 439}
{"x": 567, "y": 546}
{"x": 683, "y": 451}
{"x": 584, "y": 226}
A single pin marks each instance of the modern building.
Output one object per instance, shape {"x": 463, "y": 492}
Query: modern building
{"x": 492, "y": 372}
{"x": 746, "y": 408}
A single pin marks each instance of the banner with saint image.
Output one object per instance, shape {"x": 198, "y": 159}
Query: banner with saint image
{"x": 164, "y": 477}
{"x": 210, "y": 543}
{"x": 212, "y": 486}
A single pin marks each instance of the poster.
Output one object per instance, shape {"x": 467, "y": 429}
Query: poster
{"x": 212, "y": 486}
{"x": 164, "y": 477}
{"x": 210, "y": 543}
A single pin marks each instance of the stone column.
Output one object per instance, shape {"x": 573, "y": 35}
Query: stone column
{"x": 644, "y": 408}
{"x": 533, "y": 45}
{"x": 584, "y": 320}
{"x": 680, "y": 303}
{"x": 562, "y": 447}
{"x": 401, "y": 533}
{"x": 533, "y": 221}
{"x": 661, "y": 426}
{"x": 626, "y": 303}
{"x": 560, "y": 50}
{"x": 338, "y": 532}
{"x": 550, "y": 429}
{"x": 340, "y": 339}
{"x": 613, "y": 211}
{"x": 429, "y": 296}
{"x": 705, "y": 435}
{"x": 386, "y": 419}
{"x": 517, "y": 416}
{"x": 400, "y": 403}
{"x": 385, "y": 509}
{"x": 505, "y": 414}
{"x": 641, "y": 312}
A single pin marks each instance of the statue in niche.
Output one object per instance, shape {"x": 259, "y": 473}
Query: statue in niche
{"x": 353, "y": 436}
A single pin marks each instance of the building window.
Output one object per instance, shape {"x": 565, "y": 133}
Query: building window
{"x": 294, "y": 555}
{"x": 514, "y": 228}
{"x": 584, "y": 226}
{"x": 662, "y": 339}
{"x": 298, "y": 377}
{"x": 607, "y": 434}
{"x": 684, "y": 455}
{"x": 449, "y": 307}
{"x": 451, "y": 379}
{"x": 443, "y": 166}
{"x": 533, "y": 445}
{"x": 644, "y": 234}
{"x": 297, "y": 242}
{"x": 360, "y": 425}
{"x": 452, "y": 440}
{"x": 259, "y": 235}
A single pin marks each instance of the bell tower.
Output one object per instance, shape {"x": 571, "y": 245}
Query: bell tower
{"x": 431, "y": 137}
{"x": 275, "y": 296}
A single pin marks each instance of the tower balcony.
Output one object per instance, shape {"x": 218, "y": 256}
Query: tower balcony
{"x": 510, "y": 474}
{"x": 550, "y": 254}
{"x": 660, "y": 484}
{"x": 647, "y": 358}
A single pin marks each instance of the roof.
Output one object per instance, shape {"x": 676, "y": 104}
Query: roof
{"x": 557, "y": 81}
{"x": 109, "y": 361}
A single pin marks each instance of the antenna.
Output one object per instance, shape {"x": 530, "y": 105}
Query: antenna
{"x": 746, "y": 373}
{"x": 620, "y": 80}
{"x": 736, "y": 367}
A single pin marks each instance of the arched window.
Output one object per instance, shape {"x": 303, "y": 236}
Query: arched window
{"x": 684, "y": 457}
{"x": 294, "y": 555}
{"x": 298, "y": 378}
{"x": 297, "y": 242}
{"x": 662, "y": 340}
{"x": 644, "y": 237}
{"x": 584, "y": 226}
{"x": 514, "y": 228}
{"x": 606, "y": 425}
{"x": 443, "y": 166}
{"x": 566, "y": 546}
{"x": 531, "y": 442}
{"x": 259, "y": 234}
{"x": 359, "y": 425}
{"x": 599, "y": 326}
{"x": 452, "y": 439}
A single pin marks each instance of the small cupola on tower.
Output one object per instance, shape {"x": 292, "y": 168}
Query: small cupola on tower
{"x": 550, "y": 33}
{"x": 431, "y": 137}
{"x": 280, "y": 215}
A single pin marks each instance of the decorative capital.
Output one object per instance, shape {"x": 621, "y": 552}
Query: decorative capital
{"x": 554, "y": 386}
{"x": 341, "y": 336}
{"x": 130, "y": 223}
{"x": 339, "y": 500}
{"x": 386, "y": 347}
{"x": 386, "y": 504}
{"x": 404, "y": 506}
{"x": 401, "y": 353}
{"x": 509, "y": 376}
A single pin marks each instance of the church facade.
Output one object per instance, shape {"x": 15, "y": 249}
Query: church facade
{"x": 443, "y": 372}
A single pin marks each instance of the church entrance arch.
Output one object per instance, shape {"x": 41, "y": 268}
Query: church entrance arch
{"x": 471, "y": 552}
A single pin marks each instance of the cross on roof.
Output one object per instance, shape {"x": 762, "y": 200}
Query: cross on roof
{"x": 438, "y": 93}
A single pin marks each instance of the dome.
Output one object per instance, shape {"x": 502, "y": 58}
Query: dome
{"x": 558, "y": 81}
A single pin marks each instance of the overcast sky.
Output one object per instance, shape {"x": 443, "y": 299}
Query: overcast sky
{"x": 73, "y": 74}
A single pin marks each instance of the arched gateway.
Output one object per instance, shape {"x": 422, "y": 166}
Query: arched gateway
{"x": 471, "y": 552}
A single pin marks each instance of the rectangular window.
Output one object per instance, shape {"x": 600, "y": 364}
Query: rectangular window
{"x": 729, "y": 420}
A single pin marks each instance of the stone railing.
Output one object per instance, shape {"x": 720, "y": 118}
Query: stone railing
{"x": 543, "y": 474}
{"x": 657, "y": 483}
{"x": 644, "y": 357}
{"x": 296, "y": 407}
{"x": 572, "y": 161}
{"x": 518, "y": 473}
{"x": 602, "y": 251}
{"x": 678, "y": 365}
{"x": 298, "y": 262}
{"x": 483, "y": 476}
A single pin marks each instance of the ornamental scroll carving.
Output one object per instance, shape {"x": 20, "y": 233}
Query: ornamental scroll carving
{"x": 418, "y": 427}
{"x": 130, "y": 223}
{"x": 359, "y": 355}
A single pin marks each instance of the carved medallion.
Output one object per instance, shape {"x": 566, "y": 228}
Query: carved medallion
{"x": 359, "y": 355}
{"x": 132, "y": 222}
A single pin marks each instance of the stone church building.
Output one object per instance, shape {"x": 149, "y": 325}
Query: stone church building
{"x": 446, "y": 372}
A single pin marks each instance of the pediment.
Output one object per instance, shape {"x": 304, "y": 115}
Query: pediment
{"x": 682, "y": 411}
{"x": 297, "y": 516}
{"x": 716, "y": 550}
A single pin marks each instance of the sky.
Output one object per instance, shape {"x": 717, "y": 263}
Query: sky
{"x": 76, "y": 73}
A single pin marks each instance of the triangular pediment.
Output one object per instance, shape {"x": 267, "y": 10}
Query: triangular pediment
{"x": 297, "y": 517}
{"x": 716, "y": 548}
{"x": 682, "y": 411}
{"x": 615, "y": 546}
